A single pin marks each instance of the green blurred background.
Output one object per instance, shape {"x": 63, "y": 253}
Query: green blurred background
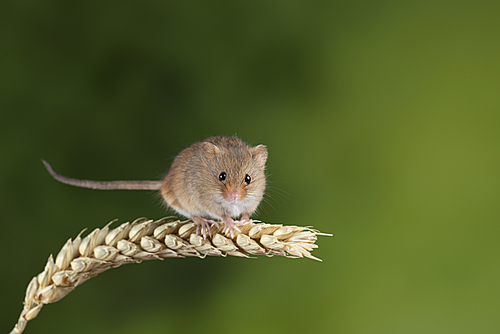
{"x": 383, "y": 127}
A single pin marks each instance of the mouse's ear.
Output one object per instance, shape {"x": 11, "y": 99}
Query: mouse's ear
{"x": 210, "y": 148}
{"x": 259, "y": 153}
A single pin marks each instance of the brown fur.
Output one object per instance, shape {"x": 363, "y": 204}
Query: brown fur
{"x": 192, "y": 186}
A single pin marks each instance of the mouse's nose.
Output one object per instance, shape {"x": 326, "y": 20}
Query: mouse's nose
{"x": 233, "y": 195}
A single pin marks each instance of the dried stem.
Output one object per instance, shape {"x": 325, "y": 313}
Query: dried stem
{"x": 144, "y": 239}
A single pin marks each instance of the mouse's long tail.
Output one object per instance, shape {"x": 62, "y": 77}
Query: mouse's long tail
{"x": 104, "y": 185}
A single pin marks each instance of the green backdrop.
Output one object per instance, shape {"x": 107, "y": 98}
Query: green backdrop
{"x": 383, "y": 127}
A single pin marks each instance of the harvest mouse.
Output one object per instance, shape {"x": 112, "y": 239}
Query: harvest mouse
{"x": 218, "y": 178}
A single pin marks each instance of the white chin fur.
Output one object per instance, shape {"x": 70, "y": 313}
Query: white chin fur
{"x": 234, "y": 210}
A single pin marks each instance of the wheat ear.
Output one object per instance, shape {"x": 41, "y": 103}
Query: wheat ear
{"x": 144, "y": 239}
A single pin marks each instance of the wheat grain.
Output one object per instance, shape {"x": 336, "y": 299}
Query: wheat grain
{"x": 144, "y": 239}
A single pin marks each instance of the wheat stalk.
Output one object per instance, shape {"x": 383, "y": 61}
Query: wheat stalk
{"x": 144, "y": 239}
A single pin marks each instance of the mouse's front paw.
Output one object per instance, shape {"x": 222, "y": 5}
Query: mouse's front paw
{"x": 230, "y": 226}
{"x": 203, "y": 225}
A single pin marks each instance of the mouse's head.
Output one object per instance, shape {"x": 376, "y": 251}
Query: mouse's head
{"x": 236, "y": 174}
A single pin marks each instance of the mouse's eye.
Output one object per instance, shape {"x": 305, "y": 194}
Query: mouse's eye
{"x": 248, "y": 179}
{"x": 222, "y": 176}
